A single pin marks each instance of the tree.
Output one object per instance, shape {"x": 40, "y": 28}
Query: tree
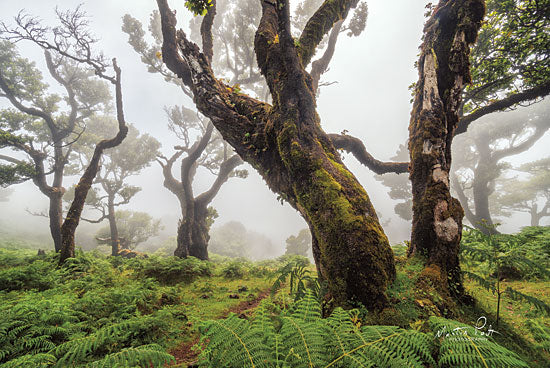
{"x": 208, "y": 151}
{"x": 479, "y": 159}
{"x": 400, "y": 186}
{"x": 501, "y": 253}
{"x": 133, "y": 228}
{"x": 230, "y": 240}
{"x": 44, "y": 126}
{"x": 117, "y": 166}
{"x": 233, "y": 239}
{"x": 443, "y": 73}
{"x": 70, "y": 42}
{"x": 526, "y": 195}
{"x": 285, "y": 143}
{"x": 509, "y": 67}
{"x": 299, "y": 244}
{"x": 5, "y": 194}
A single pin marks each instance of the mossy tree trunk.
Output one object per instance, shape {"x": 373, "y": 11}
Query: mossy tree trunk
{"x": 443, "y": 73}
{"x": 286, "y": 145}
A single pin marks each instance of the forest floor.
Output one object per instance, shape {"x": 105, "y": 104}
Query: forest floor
{"x": 169, "y": 298}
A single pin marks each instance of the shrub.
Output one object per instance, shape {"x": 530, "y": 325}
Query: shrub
{"x": 234, "y": 269}
{"x": 39, "y": 275}
{"x": 171, "y": 270}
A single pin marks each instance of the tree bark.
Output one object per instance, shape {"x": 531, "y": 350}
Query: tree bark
{"x": 286, "y": 145}
{"x": 443, "y": 72}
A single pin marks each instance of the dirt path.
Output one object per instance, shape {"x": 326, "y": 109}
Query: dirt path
{"x": 185, "y": 354}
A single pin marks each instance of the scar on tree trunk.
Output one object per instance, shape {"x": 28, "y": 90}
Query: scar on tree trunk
{"x": 443, "y": 72}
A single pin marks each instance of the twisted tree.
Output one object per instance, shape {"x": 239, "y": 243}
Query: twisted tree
{"x": 72, "y": 42}
{"x": 285, "y": 143}
{"x": 117, "y": 165}
{"x": 41, "y": 125}
{"x": 210, "y": 152}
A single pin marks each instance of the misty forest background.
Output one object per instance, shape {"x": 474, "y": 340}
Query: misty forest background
{"x": 181, "y": 205}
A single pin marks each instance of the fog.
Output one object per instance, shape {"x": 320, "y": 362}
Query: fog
{"x": 370, "y": 100}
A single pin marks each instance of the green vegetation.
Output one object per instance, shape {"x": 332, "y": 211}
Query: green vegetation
{"x": 152, "y": 312}
{"x": 503, "y": 257}
{"x": 297, "y": 336}
{"x": 100, "y": 311}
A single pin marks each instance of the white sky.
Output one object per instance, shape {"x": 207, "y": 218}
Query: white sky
{"x": 370, "y": 100}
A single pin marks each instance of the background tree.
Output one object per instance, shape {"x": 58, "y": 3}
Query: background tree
{"x": 208, "y": 151}
{"x": 71, "y": 41}
{"x": 480, "y": 155}
{"x": 285, "y": 143}
{"x": 118, "y": 164}
{"x": 133, "y": 228}
{"x": 299, "y": 244}
{"x": 531, "y": 195}
{"x": 42, "y": 128}
{"x": 5, "y": 194}
{"x": 233, "y": 239}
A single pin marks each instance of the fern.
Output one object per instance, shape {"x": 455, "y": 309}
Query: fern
{"x": 541, "y": 334}
{"x": 488, "y": 285}
{"x": 142, "y": 356}
{"x": 31, "y": 361}
{"x": 537, "y": 303}
{"x": 464, "y": 346}
{"x": 300, "y": 338}
{"x": 304, "y": 339}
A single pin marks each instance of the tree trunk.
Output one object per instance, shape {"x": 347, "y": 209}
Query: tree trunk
{"x": 484, "y": 174}
{"x": 70, "y": 224}
{"x": 56, "y": 217}
{"x": 535, "y": 216}
{"x": 193, "y": 233}
{"x": 444, "y": 71}
{"x": 115, "y": 243}
{"x": 287, "y": 146}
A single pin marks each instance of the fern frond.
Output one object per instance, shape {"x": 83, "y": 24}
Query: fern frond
{"x": 484, "y": 283}
{"x": 142, "y": 356}
{"x": 537, "y": 303}
{"x": 463, "y": 346}
{"x": 232, "y": 343}
{"x": 541, "y": 334}
{"x": 307, "y": 309}
{"x": 305, "y": 339}
{"x": 31, "y": 361}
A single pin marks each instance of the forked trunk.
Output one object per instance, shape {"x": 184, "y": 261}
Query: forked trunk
{"x": 286, "y": 145}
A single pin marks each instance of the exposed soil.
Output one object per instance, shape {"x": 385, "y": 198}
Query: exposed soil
{"x": 186, "y": 356}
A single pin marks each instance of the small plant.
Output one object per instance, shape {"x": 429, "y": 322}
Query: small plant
{"x": 300, "y": 280}
{"x": 499, "y": 253}
{"x": 233, "y": 270}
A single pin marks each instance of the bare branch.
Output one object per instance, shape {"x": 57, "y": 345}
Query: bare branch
{"x": 356, "y": 147}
